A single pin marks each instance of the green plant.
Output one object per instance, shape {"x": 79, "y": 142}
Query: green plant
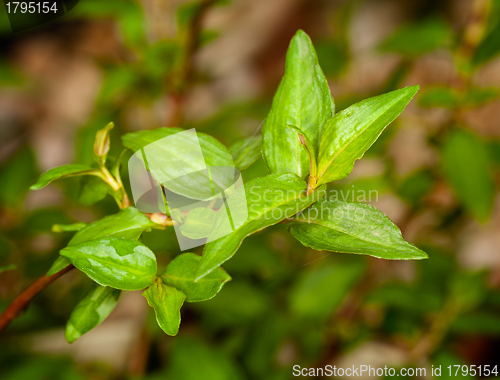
{"x": 302, "y": 137}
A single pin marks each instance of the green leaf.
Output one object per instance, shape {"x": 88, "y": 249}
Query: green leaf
{"x": 177, "y": 215}
{"x": 64, "y": 171}
{"x": 445, "y": 359}
{"x": 12, "y": 267}
{"x": 68, "y": 227}
{"x": 414, "y": 187}
{"x": 180, "y": 274}
{"x": 303, "y": 99}
{"x": 319, "y": 292}
{"x": 405, "y": 297}
{"x": 16, "y": 175}
{"x": 179, "y": 165}
{"x": 59, "y": 265}
{"x": 310, "y": 150}
{"x": 198, "y": 223}
{"x": 116, "y": 262}
{"x": 467, "y": 290}
{"x": 350, "y": 227}
{"x": 488, "y": 48}
{"x": 212, "y": 362}
{"x": 129, "y": 223}
{"x": 91, "y": 311}
{"x": 465, "y": 163}
{"x": 476, "y": 323}
{"x": 444, "y": 97}
{"x": 416, "y": 39}
{"x": 477, "y": 96}
{"x": 101, "y": 144}
{"x": 270, "y": 200}
{"x": 214, "y": 152}
{"x": 242, "y": 303}
{"x": 167, "y": 302}
{"x": 348, "y": 135}
{"x": 93, "y": 190}
{"x": 246, "y": 152}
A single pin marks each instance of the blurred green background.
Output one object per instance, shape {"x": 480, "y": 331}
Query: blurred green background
{"x": 214, "y": 66}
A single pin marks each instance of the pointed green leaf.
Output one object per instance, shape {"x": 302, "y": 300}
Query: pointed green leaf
{"x": 320, "y": 291}
{"x": 349, "y": 134}
{"x": 465, "y": 161}
{"x": 91, "y": 311}
{"x": 68, "y": 227}
{"x": 101, "y": 144}
{"x": 64, "y": 171}
{"x": 246, "y": 152}
{"x": 303, "y": 99}
{"x": 167, "y": 302}
{"x": 178, "y": 163}
{"x": 350, "y": 227}
{"x": 198, "y": 223}
{"x": 180, "y": 274}
{"x": 214, "y": 153}
{"x": 129, "y": 223}
{"x": 270, "y": 200}
{"x": 116, "y": 262}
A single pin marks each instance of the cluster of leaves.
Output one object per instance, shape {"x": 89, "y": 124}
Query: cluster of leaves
{"x": 302, "y": 136}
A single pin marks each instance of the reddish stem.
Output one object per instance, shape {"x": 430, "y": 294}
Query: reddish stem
{"x": 22, "y": 301}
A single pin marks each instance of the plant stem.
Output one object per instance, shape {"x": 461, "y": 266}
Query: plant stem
{"x": 22, "y": 301}
{"x": 311, "y": 184}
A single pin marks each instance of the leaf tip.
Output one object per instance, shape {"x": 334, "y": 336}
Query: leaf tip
{"x": 71, "y": 333}
{"x": 413, "y": 89}
{"x": 418, "y": 254}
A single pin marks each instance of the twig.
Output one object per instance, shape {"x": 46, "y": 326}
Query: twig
{"x": 22, "y": 301}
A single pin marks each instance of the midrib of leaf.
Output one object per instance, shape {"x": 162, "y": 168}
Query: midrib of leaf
{"x": 166, "y": 313}
{"x": 114, "y": 264}
{"x": 108, "y": 234}
{"x": 184, "y": 279}
{"x": 298, "y": 147}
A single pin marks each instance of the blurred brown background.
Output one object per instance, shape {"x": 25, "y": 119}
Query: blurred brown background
{"x": 215, "y": 65}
